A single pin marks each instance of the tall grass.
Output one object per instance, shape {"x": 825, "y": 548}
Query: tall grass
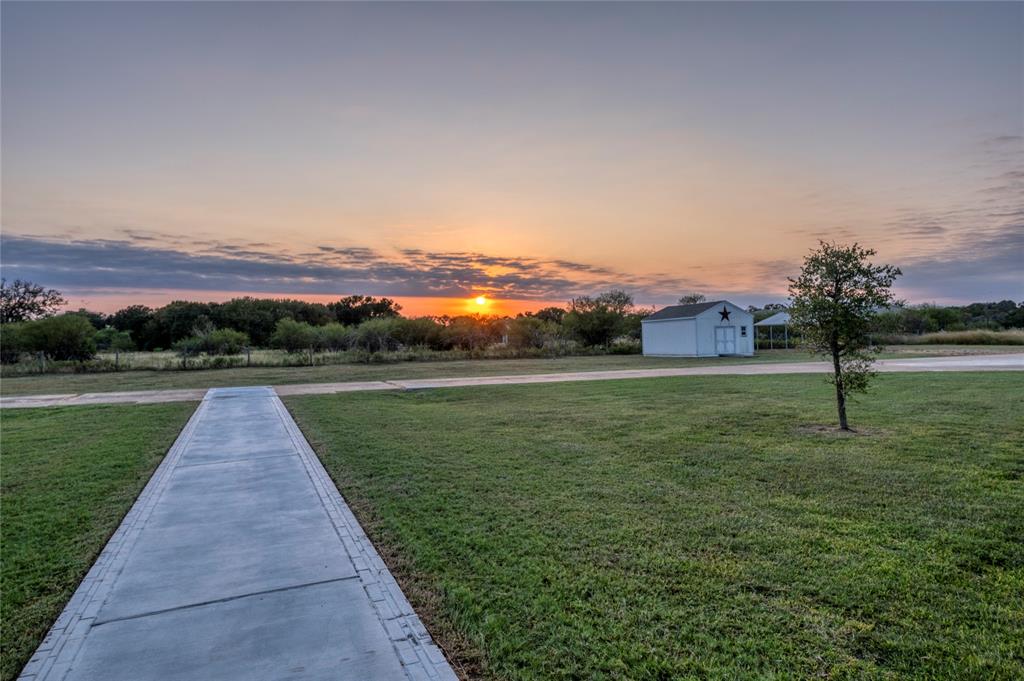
{"x": 173, "y": 361}
{"x": 975, "y": 337}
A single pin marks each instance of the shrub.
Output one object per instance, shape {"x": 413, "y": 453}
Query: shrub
{"x": 213, "y": 342}
{"x": 531, "y": 332}
{"x": 420, "y": 332}
{"x": 193, "y": 345}
{"x": 376, "y": 335}
{"x": 474, "y": 332}
{"x": 333, "y": 337}
{"x": 625, "y": 345}
{"x": 292, "y": 336}
{"x": 67, "y": 337}
{"x": 225, "y": 342}
{"x": 12, "y": 342}
{"x": 110, "y": 338}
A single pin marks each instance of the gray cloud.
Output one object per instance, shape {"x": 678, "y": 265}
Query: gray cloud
{"x": 984, "y": 265}
{"x": 148, "y": 261}
{"x": 954, "y": 263}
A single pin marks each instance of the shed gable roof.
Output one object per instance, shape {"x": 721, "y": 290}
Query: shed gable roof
{"x": 683, "y": 311}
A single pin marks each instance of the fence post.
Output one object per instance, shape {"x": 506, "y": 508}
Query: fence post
{"x": 310, "y": 355}
{"x": 117, "y": 359}
{"x": 42, "y": 362}
{"x": 248, "y": 356}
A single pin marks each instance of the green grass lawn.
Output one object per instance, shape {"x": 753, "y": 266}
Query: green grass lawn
{"x": 698, "y": 527}
{"x": 214, "y": 378}
{"x": 67, "y": 477}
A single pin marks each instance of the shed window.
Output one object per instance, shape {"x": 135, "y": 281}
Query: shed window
{"x": 743, "y": 331}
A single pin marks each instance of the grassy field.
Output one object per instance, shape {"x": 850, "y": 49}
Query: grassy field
{"x": 212, "y": 378}
{"x": 700, "y": 527}
{"x": 68, "y": 477}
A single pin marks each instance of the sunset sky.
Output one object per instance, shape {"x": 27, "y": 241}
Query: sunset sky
{"x": 529, "y": 152}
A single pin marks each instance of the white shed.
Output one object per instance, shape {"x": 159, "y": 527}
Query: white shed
{"x": 699, "y": 330}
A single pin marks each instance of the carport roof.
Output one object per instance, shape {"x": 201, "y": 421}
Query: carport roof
{"x": 682, "y": 311}
{"x": 777, "y": 319}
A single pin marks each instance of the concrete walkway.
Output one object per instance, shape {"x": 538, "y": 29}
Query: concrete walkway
{"x": 1001, "y": 362}
{"x": 238, "y": 561}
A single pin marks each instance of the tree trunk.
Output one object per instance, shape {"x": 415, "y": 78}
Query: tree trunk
{"x": 840, "y": 393}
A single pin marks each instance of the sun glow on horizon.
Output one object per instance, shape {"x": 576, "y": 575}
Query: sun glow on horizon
{"x": 481, "y": 300}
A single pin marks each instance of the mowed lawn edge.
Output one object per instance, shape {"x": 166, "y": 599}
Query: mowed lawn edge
{"x": 68, "y": 476}
{"x": 698, "y": 527}
{"x": 76, "y": 383}
{"x": 373, "y": 371}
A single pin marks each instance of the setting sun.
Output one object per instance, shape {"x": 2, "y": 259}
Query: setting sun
{"x": 481, "y": 300}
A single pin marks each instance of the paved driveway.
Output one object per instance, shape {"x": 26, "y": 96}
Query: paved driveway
{"x": 239, "y": 561}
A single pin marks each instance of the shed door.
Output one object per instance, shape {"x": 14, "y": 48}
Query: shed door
{"x": 725, "y": 340}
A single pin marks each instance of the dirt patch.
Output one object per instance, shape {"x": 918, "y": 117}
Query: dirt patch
{"x": 835, "y": 431}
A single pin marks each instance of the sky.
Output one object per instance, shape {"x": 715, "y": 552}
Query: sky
{"x": 526, "y": 152}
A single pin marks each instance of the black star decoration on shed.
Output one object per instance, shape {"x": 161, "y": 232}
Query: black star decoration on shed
{"x": 725, "y": 313}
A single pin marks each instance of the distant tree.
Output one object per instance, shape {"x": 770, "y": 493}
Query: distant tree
{"x": 598, "y": 320}
{"x": 23, "y": 300}
{"x": 616, "y": 300}
{"x": 316, "y": 314}
{"x": 833, "y": 300}
{"x": 358, "y": 309}
{"x": 177, "y": 320}
{"x": 255, "y": 317}
{"x": 1015, "y": 319}
{"x": 692, "y": 298}
{"x": 97, "y": 319}
{"x": 550, "y": 314}
{"x": 134, "y": 320}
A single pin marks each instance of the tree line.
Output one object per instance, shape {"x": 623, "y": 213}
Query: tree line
{"x": 31, "y": 324}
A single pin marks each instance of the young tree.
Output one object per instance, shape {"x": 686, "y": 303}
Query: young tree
{"x": 832, "y": 302}
{"x": 22, "y": 300}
